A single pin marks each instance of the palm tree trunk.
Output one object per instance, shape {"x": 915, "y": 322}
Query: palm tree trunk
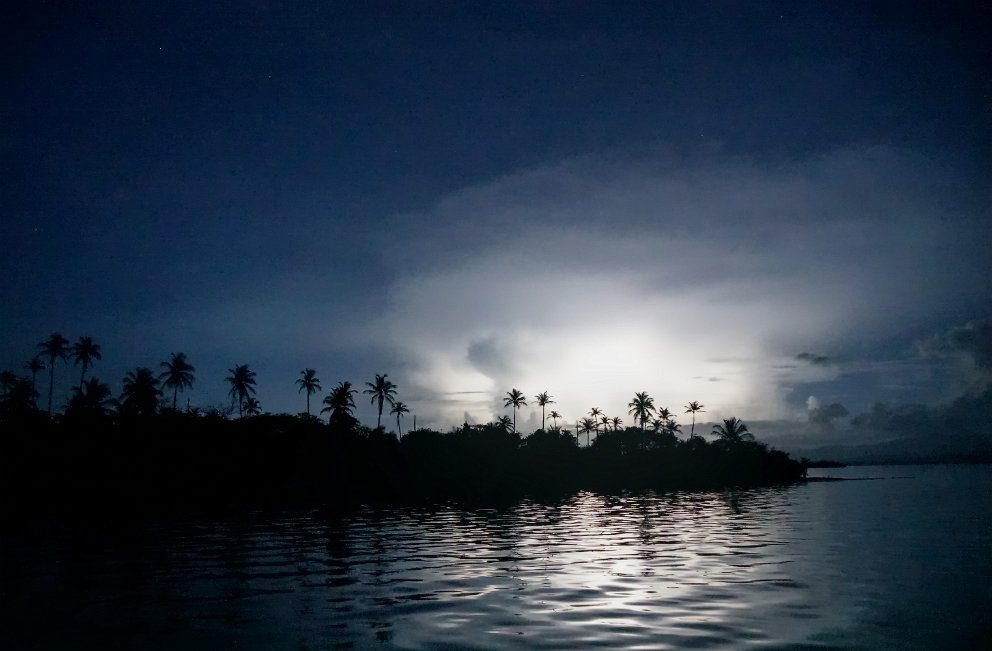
{"x": 308, "y": 403}
{"x": 378, "y": 422}
{"x": 542, "y": 417}
{"x": 175, "y": 395}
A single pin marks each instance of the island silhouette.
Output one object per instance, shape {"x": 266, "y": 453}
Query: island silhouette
{"x": 138, "y": 451}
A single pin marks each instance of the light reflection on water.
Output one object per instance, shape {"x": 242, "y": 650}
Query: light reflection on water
{"x": 893, "y": 563}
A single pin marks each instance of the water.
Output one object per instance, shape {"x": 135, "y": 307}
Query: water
{"x": 901, "y": 561}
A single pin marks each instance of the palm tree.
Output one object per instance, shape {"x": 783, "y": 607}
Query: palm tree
{"x": 55, "y": 347}
{"x": 588, "y": 425}
{"x": 641, "y": 407}
{"x": 594, "y": 412}
{"x": 399, "y": 409}
{"x": 672, "y": 427}
{"x": 252, "y": 407}
{"x": 34, "y": 365}
{"x": 617, "y": 422}
{"x": 605, "y": 420}
{"x": 141, "y": 393}
{"x": 554, "y": 418}
{"x": 543, "y": 399}
{"x": 657, "y": 424}
{"x": 664, "y": 414}
{"x": 339, "y": 402}
{"x": 516, "y": 400}
{"x": 178, "y": 375}
{"x": 308, "y": 380}
{"x": 93, "y": 399}
{"x": 693, "y": 407}
{"x": 504, "y": 423}
{"x": 733, "y": 432}
{"x": 382, "y": 390}
{"x": 242, "y": 381}
{"x": 84, "y": 352}
{"x": 17, "y": 395}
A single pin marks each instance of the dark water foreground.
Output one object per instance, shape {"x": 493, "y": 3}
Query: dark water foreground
{"x": 901, "y": 562}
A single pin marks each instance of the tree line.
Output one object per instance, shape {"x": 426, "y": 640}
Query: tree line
{"x": 141, "y": 448}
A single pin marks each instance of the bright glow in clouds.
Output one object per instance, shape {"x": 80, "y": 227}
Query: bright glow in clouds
{"x": 691, "y": 279}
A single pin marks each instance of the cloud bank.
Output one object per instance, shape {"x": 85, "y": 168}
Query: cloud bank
{"x": 691, "y": 276}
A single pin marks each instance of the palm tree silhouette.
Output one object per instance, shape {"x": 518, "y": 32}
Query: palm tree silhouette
{"x": 693, "y": 407}
{"x": 382, "y": 390}
{"x": 554, "y": 418}
{"x": 594, "y": 412}
{"x": 308, "y": 380}
{"x": 605, "y": 420}
{"x": 178, "y": 375}
{"x": 672, "y": 427}
{"x": 34, "y": 365}
{"x": 664, "y": 414}
{"x": 543, "y": 399}
{"x": 641, "y": 407}
{"x": 339, "y": 402}
{"x": 16, "y": 394}
{"x": 242, "y": 381}
{"x": 504, "y": 423}
{"x": 84, "y": 352}
{"x": 515, "y": 399}
{"x": 733, "y": 432}
{"x": 141, "y": 393}
{"x": 55, "y": 347}
{"x": 617, "y": 422}
{"x": 399, "y": 409}
{"x": 252, "y": 407}
{"x": 94, "y": 398}
{"x": 588, "y": 425}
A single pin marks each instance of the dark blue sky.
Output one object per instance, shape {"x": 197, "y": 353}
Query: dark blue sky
{"x": 285, "y": 184}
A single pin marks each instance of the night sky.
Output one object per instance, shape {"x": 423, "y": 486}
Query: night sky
{"x": 779, "y": 209}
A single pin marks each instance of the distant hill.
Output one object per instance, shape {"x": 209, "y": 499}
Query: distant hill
{"x": 909, "y": 450}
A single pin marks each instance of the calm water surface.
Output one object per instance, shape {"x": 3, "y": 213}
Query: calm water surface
{"x": 899, "y": 561}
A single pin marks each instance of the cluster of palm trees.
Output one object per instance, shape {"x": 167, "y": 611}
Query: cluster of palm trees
{"x": 143, "y": 390}
{"x": 641, "y": 408}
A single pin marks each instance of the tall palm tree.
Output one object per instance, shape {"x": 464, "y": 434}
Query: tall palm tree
{"x": 516, "y": 400}
{"x": 382, "y": 390}
{"x": 733, "y": 431}
{"x": 605, "y": 420}
{"x": 178, "y": 375}
{"x": 252, "y": 407}
{"x": 84, "y": 352}
{"x": 141, "y": 393}
{"x": 588, "y": 425}
{"x": 617, "y": 422}
{"x": 55, "y": 347}
{"x": 308, "y": 380}
{"x": 34, "y": 365}
{"x": 641, "y": 407}
{"x": 339, "y": 402}
{"x": 594, "y": 414}
{"x": 543, "y": 399}
{"x": 399, "y": 409}
{"x": 554, "y": 418}
{"x": 693, "y": 407}
{"x": 242, "y": 381}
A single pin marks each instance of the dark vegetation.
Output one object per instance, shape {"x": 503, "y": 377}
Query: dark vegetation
{"x": 140, "y": 454}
